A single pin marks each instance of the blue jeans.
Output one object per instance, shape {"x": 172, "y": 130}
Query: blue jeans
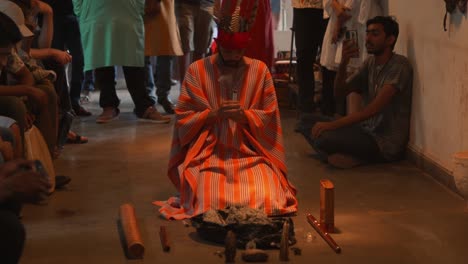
{"x": 88, "y": 82}
{"x": 163, "y": 73}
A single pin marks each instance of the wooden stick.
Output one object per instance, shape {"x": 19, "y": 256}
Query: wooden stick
{"x": 314, "y": 223}
{"x": 135, "y": 246}
{"x": 327, "y": 206}
{"x": 284, "y": 244}
{"x": 164, "y": 239}
{"x": 230, "y": 247}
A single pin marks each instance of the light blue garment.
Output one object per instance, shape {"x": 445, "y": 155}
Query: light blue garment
{"x": 112, "y": 32}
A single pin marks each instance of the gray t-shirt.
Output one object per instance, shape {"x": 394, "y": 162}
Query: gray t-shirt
{"x": 390, "y": 127}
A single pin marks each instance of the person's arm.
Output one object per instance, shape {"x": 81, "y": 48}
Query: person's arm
{"x": 152, "y": 7}
{"x": 35, "y": 94}
{"x": 24, "y": 77}
{"x": 232, "y": 110}
{"x": 19, "y": 180}
{"x": 47, "y": 28}
{"x": 383, "y": 98}
{"x": 16, "y": 67}
{"x": 59, "y": 56}
{"x": 342, "y": 87}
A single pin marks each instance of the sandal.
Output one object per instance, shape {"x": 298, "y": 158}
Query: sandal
{"x": 77, "y": 139}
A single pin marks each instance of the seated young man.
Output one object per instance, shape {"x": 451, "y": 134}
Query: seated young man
{"x": 227, "y": 146}
{"x": 380, "y": 131}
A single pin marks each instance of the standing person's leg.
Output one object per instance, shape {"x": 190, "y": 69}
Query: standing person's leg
{"x": 163, "y": 82}
{"x": 65, "y": 115}
{"x": 203, "y": 23}
{"x": 144, "y": 105}
{"x": 88, "y": 82}
{"x": 73, "y": 43}
{"x": 185, "y": 21}
{"x": 275, "y": 11}
{"x": 108, "y": 99}
{"x": 328, "y": 106}
{"x": 149, "y": 78}
{"x": 306, "y": 51}
{"x": 60, "y": 84}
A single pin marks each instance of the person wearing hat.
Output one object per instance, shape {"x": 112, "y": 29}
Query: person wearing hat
{"x": 227, "y": 146}
{"x": 33, "y": 76}
{"x": 18, "y": 182}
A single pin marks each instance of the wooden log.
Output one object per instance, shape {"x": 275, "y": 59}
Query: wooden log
{"x": 255, "y": 255}
{"x": 284, "y": 244}
{"x": 327, "y": 206}
{"x": 230, "y": 247}
{"x": 135, "y": 247}
{"x": 164, "y": 239}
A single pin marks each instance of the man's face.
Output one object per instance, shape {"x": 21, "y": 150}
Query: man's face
{"x": 4, "y": 53}
{"x": 376, "y": 39}
{"x": 231, "y": 58}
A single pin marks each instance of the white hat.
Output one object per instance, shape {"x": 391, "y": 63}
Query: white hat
{"x": 14, "y": 12}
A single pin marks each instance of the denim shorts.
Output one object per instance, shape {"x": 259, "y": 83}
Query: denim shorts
{"x": 6, "y": 122}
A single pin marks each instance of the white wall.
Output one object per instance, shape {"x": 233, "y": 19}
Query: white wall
{"x": 282, "y": 38}
{"x": 440, "y": 61}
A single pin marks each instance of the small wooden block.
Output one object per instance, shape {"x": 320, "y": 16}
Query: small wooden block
{"x": 327, "y": 206}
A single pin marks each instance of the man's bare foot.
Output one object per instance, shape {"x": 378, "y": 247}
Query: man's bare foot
{"x": 342, "y": 161}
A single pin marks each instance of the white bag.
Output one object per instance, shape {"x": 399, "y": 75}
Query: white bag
{"x": 36, "y": 149}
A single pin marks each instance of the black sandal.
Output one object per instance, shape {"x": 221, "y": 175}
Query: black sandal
{"x": 77, "y": 140}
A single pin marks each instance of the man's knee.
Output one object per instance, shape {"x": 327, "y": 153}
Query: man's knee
{"x": 326, "y": 143}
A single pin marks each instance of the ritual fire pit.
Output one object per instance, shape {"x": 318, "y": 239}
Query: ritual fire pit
{"x": 249, "y": 225}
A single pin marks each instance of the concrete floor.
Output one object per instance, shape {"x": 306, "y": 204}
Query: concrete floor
{"x": 389, "y": 213}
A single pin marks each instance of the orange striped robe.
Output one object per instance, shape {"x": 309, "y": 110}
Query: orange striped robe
{"x": 225, "y": 163}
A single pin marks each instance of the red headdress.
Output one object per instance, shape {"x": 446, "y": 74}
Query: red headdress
{"x": 234, "y": 18}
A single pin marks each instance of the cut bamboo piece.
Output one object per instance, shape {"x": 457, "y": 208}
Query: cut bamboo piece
{"x": 164, "y": 239}
{"x": 284, "y": 244}
{"x": 315, "y": 224}
{"x": 327, "y": 206}
{"x": 135, "y": 247}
